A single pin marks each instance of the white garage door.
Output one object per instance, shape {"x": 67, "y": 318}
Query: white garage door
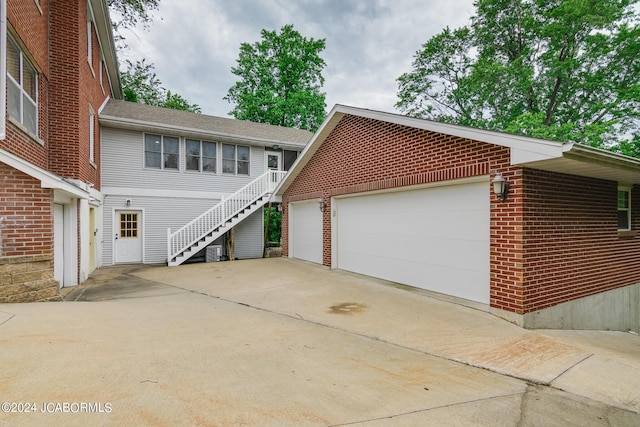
{"x": 435, "y": 238}
{"x": 305, "y": 231}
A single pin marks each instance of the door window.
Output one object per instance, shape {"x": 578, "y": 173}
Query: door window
{"x": 128, "y": 224}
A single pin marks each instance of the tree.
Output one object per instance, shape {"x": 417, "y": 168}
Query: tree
{"x": 140, "y": 84}
{"x": 280, "y": 81}
{"x": 567, "y": 70}
{"x": 130, "y": 13}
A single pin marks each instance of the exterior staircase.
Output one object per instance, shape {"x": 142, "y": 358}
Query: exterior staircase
{"x": 205, "y": 229}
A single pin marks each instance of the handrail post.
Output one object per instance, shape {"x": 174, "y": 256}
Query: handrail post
{"x": 168, "y": 245}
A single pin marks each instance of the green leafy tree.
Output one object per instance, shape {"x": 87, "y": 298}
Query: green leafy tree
{"x": 140, "y": 84}
{"x": 566, "y": 70}
{"x": 280, "y": 81}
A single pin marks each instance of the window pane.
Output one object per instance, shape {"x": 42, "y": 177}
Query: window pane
{"x": 243, "y": 153}
{"x": 243, "y": 168}
{"x": 13, "y": 61}
{"x": 152, "y": 143}
{"x": 171, "y": 145}
{"x": 29, "y": 80}
{"x": 170, "y": 161}
{"x": 152, "y": 160}
{"x": 623, "y": 220}
{"x": 228, "y": 166}
{"x": 208, "y": 164}
{"x": 623, "y": 199}
{"x": 208, "y": 149}
{"x": 13, "y": 100}
{"x": 30, "y": 116}
{"x": 193, "y": 155}
{"x": 228, "y": 152}
{"x": 193, "y": 147}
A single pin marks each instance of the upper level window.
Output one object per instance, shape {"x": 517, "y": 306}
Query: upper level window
{"x": 201, "y": 155}
{"x": 22, "y": 88}
{"x": 161, "y": 152}
{"x": 92, "y": 142}
{"x": 235, "y": 159}
{"x": 624, "y": 208}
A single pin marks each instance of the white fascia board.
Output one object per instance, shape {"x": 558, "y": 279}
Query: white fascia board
{"x": 47, "y": 179}
{"x": 332, "y": 120}
{"x": 3, "y": 69}
{"x": 144, "y": 126}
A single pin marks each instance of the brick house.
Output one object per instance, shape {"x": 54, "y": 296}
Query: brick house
{"x": 413, "y": 202}
{"x": 61, "y": 68}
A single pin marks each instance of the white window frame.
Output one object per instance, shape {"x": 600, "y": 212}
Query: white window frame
{"x": 90, "y": 20}
{"x": 92, "y": 139}
{"x": 236, "y": 161}
{"x": 627, "y": 189}
{"x": 200, "y": 156}
{"x": 23, "y": 59}
{"x": 162, "y": 152}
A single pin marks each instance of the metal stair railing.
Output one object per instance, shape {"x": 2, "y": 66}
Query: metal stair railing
{"x": 190, "y": 234}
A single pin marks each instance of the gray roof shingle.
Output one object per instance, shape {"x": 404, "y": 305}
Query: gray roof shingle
{"x": 131, "y": 115}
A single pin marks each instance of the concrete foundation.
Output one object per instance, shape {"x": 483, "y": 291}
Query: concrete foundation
{"x": 616, "y": 310}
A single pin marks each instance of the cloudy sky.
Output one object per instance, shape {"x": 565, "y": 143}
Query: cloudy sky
{"x": 369, "y": 43}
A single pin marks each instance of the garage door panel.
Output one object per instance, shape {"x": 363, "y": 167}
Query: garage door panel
{"x": 305, "y": 231}
{"x": 436, "y": 238}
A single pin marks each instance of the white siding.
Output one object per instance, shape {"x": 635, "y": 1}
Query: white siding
{"x": 123, "y": 166}
{"x": 124, "y": 177}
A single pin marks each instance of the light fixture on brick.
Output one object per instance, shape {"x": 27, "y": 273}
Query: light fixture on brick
{"x": 500, "y": 186}
{"x": 323, "y": 205}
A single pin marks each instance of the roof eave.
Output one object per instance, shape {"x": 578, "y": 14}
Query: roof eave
{"x": 145, "y": 126}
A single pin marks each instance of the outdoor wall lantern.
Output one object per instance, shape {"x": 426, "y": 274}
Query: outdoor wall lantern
{"x": 322, "y": 204}
{"x": 500, "y": 187}
{"x": 128, "y": 202}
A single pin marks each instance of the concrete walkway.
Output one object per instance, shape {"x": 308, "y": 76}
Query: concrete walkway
{"x": 282, "y": 342}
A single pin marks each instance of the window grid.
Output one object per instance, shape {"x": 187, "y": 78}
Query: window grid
{"x": 235, "y": 159}
{"x": 161, "y": 152}
{"x": 22, "y": 88}
{"x": 624, "y": 209}
{"x": 128, "y": 225}
{"x": 201, "y": 156}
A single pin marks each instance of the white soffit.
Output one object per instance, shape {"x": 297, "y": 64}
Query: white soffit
{"x": 3, "y": 68}
{"x": 47, "y": 179}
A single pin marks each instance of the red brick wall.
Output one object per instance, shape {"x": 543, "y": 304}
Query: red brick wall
{"x": 75, "y": 88}
{"x": 572, "y": 245}
{"x": 30, "y": 32}
{"x": 26, "y": 215}
{"x": 365, "y": 155}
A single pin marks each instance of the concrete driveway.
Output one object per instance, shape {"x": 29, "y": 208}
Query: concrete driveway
{"x": 279, "y": 342}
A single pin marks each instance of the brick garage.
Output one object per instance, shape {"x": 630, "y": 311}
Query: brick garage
{"x": 556, "y": 255}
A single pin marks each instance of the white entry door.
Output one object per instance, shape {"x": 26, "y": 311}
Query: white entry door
{"x": 58, "y": 243}
{"x": 274, "y": 160}
{"x": 128, "y": 236}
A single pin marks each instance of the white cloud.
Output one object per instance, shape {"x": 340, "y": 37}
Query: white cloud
{"x": 369, "y": 43}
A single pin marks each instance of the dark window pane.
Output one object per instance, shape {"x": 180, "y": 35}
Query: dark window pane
{"x": 193, "y": 163}
{"x": 228, "y": 152}
{"x": 208, "y": 164}
{"x": 193, "y": 147}
{"x": 623, "y": 220}
{"x": 170, "y": 161}
{"x": 243, "y": 153}
{"x": 228, "y": 166}
{"x": 289, "y": 158}
{"x": 152, "y": 160}
{"x": 152, "y": 143}
{"x": 243, "y": 168}
{"x": 171, "y": 145}
{"x": 208, "y": 149}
